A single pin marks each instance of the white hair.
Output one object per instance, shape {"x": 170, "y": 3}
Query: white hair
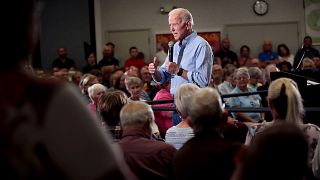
{"x": 184, "y": 14}
{"x": 206, "y": 111}
{"x": 242, "y": 71}
{"x": 95, "y": 89}
{"x": 183, "y": 96}
{"x": 285, "y": 89}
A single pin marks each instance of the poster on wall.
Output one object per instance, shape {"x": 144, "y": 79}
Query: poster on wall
{"x": 213, "y": 39}
{"x": 312, "y": 19}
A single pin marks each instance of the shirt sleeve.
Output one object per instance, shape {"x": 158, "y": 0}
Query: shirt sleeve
{"x": 204, "y": 61}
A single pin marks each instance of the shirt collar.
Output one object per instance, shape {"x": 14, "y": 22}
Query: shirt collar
{"x": 187, "y": 39}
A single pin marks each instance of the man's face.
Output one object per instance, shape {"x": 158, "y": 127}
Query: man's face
{"x": 178, "y": 28}
{"x": 107, "y": 51}
{"x": 62, "y": 52}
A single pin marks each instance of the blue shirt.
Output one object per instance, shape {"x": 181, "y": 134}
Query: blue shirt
{"x": 197, "y": 59}
{"x": 252, "y": 101}
{"x": 268, "y": 56}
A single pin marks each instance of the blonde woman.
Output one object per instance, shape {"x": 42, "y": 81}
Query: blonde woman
{"x": 286, "y": 105}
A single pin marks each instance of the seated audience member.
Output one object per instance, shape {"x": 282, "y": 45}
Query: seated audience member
{"x": 106, "y": 72}
{"x": 280, "y": 152}
{"x": 284, "y": 54}
{"x": 306, "y": 51}
{"x": 46, "y": 130}
{"x": 216, "y": 76}
{"x": 207, "y": 155}
{"x": 267, "y": 56}
{"x": 244, "y": 59}
{"x": 284, "y": 66}
{"x": 252, "y": 101}
{"x": 98, "y": 73}
{"x": 163, "y": 118}
{"x": 134, "y": 60}
{"x": 182, "y": 132}
{"x": 94, "y": 92}
{"x": 88, "y": 80}
{"x": 229, "y": 83}
{"x": 264, "y": 99}
{"x": 225, "y": 55}
{"x": 255, "y": 74}
{"x": 149, "y": 86}
{"x": 91, "y": 63}
{"x": 147, "y": 158}
{"x": 109, "y": 107}
{"x": 63, "y": 61}
{"x": 108, "y": 56}
{"x": 134, "y": 87}
{"x": 285, "y": 104}
{"x": 316, "y": 60}
{"x": 75, "y": 77}
{"x": 308, "y": 64}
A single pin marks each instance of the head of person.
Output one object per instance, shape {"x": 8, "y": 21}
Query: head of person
{"x": 228, "y": 72}
{"x": 267, "y": 46}
{"x": 133, "y": 51}
{"x": 282, "y": 149}
{"x": 243, "y": 77}
{"x": 255, "y": 74}
{"x": 207, "y": 111}
{"x": 308, "y": 63}
{"x": 269, "y": 69}
{"x": 145, "y": 75}
{"x": 88, "y": 80}
{"x": 307, "y": 41}
{"x": 137, "y": 115}
{"x": 244, "y": 51}
{"x": 20, "y": 34}
{"x": 109, "y": 106}
{"x": 316, "y": 60}
{"x": 284, "y": 66}
{"x": 181, "y": 23}
{"x": 134, "y": 87}
{"x": 108, "y": 50}
{"x": 91, "y": 59}
{"x": 285, "y": 101}
{"x": 62, "y": 52}
{"x": 225, "y": 43}
{"x": 255, "y": 62}
{"x": 283, "y": 50}
{"x": 183, "y": 97}
{"x": 95, "y": 91}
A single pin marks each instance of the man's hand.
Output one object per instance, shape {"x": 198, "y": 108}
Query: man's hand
{"x": 153, "y": 66}
{"x": 172, "y": 67}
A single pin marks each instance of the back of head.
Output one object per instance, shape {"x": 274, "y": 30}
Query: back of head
{"x": 20, "y": 32}
{"x": 183, "y": 96}
{"x": 110, "y": 105}
{"x": 286, "y": 100}
{"x": 136, "y": 114}
{"x": 206, "y": 110}
{"x": 279, "y": 152}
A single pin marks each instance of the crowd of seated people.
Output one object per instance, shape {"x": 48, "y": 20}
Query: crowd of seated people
{"x": 107, "y": 87}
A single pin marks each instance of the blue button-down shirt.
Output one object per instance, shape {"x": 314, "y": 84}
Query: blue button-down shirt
{"x": 197, "y": 59}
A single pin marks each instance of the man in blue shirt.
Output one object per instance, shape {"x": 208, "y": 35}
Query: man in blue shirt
{"x": 197, "y": 58}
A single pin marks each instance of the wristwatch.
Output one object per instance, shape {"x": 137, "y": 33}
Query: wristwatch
{"x": 180, "y": 72}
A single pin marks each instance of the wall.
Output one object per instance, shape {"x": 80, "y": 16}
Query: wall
{"x": 209, "y": 15}
{"x": 64, "y": 24}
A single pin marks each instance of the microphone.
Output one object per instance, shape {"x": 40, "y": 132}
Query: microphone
{"x": 170, "y": 44}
